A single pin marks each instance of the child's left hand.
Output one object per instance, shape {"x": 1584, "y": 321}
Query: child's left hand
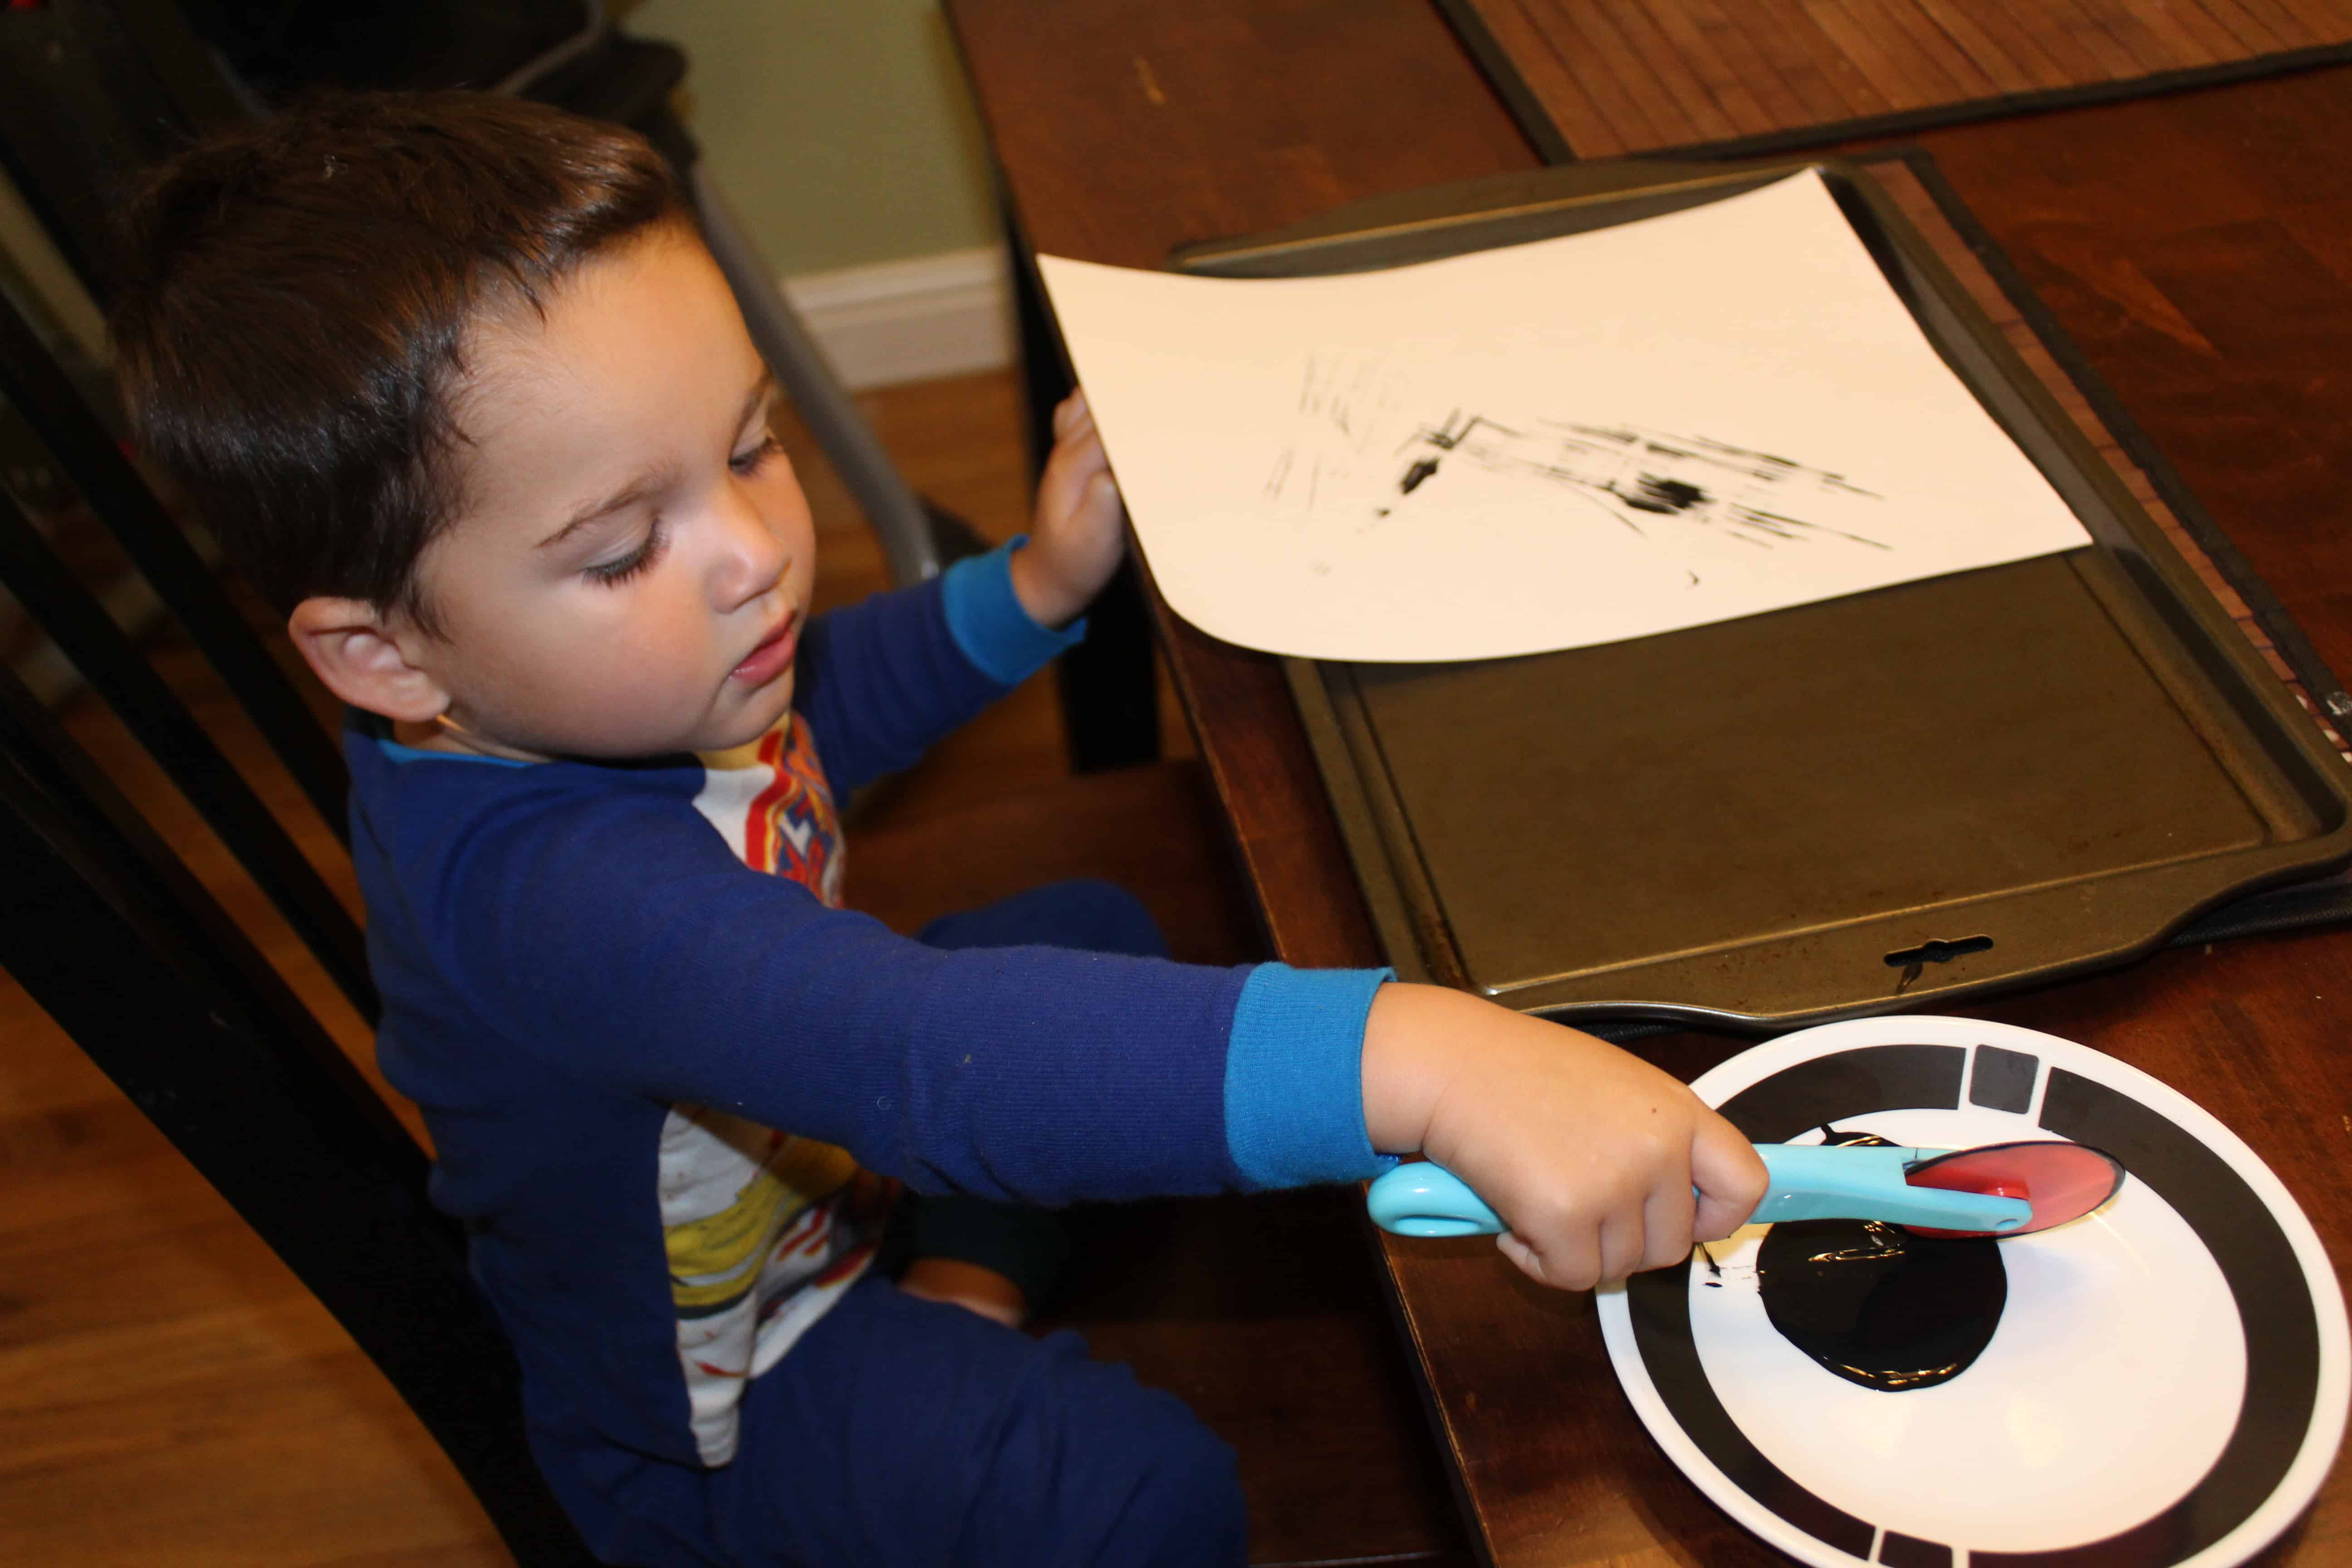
{"x": 1080, "y": 530}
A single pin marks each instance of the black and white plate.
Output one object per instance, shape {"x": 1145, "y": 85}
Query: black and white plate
{"x": 2166, "y": 1383}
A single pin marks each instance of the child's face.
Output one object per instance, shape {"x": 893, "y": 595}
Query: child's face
{"x": 630, "y": 568}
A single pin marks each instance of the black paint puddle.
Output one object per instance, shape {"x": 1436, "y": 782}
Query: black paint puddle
{"x": 1877, "y": 1305}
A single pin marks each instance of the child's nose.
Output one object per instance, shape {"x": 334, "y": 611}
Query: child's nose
{"x": 752, "y": 558}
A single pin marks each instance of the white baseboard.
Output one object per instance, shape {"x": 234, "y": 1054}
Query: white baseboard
{"x": 949, "y": 314}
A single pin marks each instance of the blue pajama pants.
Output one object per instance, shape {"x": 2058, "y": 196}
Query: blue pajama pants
{"x": 906, "y": 1432}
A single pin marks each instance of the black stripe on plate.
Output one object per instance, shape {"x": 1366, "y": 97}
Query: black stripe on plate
{"x": 2274, "y": 1305}
{"x": 2003, "y": 1080}
{"x": 1899, "y": 1550}
{"x": 1851, "y": 1083}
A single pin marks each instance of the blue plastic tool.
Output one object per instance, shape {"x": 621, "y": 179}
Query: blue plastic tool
{"x": 1808, "y": 1182}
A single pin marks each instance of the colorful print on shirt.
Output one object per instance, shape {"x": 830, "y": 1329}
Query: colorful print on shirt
{"x": 769, "y": 799}
{"x": 764, "y": 1231}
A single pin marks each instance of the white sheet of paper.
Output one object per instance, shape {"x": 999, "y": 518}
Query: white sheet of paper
{"x": 1713, "y": 413}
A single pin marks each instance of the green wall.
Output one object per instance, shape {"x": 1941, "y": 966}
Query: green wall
{"x": 841, "y": 132}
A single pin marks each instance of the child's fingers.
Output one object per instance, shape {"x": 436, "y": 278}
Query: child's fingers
{"x": 1572, "y": 1262}
{"x": 1076, "y": 453}
{"x": 1622, "y": 1242}
{"x": 1667, "y": 1220}
{"x": 1085, "y": 451}
{"x": 1070, "y": 413}
{"x": 1101, "y": 507}
{"x": 1076, "y": 484}
{"x": 1609, "y": 1257}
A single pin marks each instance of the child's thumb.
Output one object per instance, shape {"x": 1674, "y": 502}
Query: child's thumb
{"x": 1729, "y": 1175}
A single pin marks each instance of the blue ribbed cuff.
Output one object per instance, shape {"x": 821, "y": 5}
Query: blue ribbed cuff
{"x": 1294, "y": 1076}
{"x": 988, "y": 623}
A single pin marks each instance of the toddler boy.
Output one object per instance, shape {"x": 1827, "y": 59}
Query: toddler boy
{"x": 455, "y": 381}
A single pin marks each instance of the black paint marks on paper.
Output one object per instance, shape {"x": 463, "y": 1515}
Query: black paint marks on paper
{"x": 1456, "y": 430}
{"x": 1636, "y": 474}
{"x": 1360, "y": 449}
{"x": 1652, "y": 493}
{"x": 1877, "y": 1305}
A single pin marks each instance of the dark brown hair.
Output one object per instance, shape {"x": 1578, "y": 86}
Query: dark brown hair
{"x": 295, "y": 304}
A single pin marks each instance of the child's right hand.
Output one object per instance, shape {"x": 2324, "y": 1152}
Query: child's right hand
{"x": 1079, "y": 535}
{"x": 1588, "y": 1154}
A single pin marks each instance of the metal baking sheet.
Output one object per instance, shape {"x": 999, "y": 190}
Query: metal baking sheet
{"x": 1890, "y": 799}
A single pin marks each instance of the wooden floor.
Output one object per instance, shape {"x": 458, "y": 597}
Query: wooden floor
{"x": 1636, "y": 76}
{"x": 169, "y": 1393}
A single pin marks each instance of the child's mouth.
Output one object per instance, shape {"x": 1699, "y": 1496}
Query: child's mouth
{"x": 772, "y": 656}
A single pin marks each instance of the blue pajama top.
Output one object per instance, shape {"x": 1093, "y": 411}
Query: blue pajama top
{"x": 669, "y": 1081}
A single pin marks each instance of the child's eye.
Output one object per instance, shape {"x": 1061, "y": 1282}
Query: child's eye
{"x": 613, "y": 573}
{"x": 751, "y": 462}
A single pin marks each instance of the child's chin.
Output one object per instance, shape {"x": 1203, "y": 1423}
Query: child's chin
{"x": 757, "y": 717}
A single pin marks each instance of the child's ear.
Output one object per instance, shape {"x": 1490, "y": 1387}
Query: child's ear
{"x": 362, "y": 658}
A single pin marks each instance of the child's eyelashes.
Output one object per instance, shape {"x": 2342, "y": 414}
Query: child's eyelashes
{"x": 648, "y": 551}
{"x": 751, "y": 462}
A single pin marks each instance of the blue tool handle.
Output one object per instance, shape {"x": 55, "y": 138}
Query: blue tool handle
{"x": 1825, "y": 1181}
{"x": 1427, "y": 1199}
{"x": 1808, "y": 1182}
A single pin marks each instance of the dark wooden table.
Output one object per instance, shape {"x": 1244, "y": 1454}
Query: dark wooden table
{"x": 2198, "y": 248}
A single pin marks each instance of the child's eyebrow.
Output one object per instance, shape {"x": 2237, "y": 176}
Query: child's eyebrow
{"x": 640, "y": 487}
{"x": 762, "y": 390}
{"x": 652, "y": 481}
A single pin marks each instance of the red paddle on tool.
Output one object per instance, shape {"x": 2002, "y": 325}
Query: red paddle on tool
{"x": 2062, "y": 1181}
